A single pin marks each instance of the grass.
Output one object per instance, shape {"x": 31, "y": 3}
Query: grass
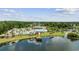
{"x": 58, "y": 34}
{"x": 53, "y": 34}
{"x": 46, "y": 34}
{"x": 3, "y": 40}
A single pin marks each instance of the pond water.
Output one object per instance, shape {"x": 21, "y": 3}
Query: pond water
{"x": 47, "y": 44}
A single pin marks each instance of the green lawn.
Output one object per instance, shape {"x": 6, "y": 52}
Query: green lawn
{"x": 52, "y": 34}
{"x": 4, "y": 40}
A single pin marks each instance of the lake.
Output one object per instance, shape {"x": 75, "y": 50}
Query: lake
{"x": 47, "y": 44}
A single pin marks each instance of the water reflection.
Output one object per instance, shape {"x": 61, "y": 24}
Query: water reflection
{"x": 58, "y": 44}
{"x": 47, "y": 44}
{"x": 8, "y": 48}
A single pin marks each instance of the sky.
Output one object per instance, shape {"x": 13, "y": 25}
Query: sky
{"x": 40, "y": 14}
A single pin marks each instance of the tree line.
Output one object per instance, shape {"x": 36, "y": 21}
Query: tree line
{"x": 7, "y": 25}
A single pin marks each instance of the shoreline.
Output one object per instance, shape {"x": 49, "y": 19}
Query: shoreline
{"x": 25, "y": 37}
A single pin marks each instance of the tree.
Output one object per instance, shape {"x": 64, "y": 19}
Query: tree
{"x": 72, "y": 36}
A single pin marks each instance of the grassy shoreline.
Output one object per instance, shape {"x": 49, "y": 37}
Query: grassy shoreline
{"x": 47, "y": 34}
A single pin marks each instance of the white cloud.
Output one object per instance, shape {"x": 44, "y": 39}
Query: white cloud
{"x": 8, "y": 10}
{"x": 71, "y": 10}
{"x": 7, "y": 14}
{"x": 68, "y": 10}
{"x": 59, "y": 9}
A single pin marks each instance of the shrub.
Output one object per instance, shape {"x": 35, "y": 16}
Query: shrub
{"x": 72, "y": 36}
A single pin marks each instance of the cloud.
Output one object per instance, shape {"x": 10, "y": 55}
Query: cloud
{"x": 7, "y": 14}
{"x": 59, "y": 9}
{"x": 8, "y": 10}
{"x": 68, "y": 10}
